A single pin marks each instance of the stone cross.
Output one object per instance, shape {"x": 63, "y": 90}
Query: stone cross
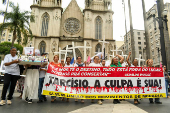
{"x": 139, "y": 59}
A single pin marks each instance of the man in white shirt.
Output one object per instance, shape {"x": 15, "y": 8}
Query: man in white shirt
{"x": 96, "y": 64}
{"x": 12, "y": 73}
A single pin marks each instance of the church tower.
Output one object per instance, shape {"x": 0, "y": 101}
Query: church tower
{"x": 98, "y": 23}
{"x": 46, "y": 28}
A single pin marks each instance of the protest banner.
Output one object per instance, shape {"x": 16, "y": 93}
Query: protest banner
{"x": 105, "y": 83}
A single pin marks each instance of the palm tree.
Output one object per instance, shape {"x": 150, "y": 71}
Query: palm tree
{"x": 17, "y": 22}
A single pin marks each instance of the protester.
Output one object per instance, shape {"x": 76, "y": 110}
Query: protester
{"x": 20, "y": 86}
{"x": 68, "y": 60}
{"x": 135, "y": 64}
{"x": 56, "y": 64}
{"x": 42, "y": 73}
{"x": 31, "y": 81}
{"x": 149, "y": 63}
{"x": 166, "y": 80}
{"x": 80, "y": 64}
{"x": 116, "y": 63}
{"x": 11, "y": 76}
{"x": 95, "y": 64}
{"x": 103, "y": 63}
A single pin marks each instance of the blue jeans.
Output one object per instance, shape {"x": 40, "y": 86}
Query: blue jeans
{"x": 41, "y": 82}
{"x": 166, "y": 84}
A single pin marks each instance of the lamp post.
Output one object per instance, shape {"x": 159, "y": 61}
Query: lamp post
{"x": 160, "y": 20}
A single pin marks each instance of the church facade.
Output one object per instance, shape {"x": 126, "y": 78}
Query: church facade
{"x": 56, "y": 27}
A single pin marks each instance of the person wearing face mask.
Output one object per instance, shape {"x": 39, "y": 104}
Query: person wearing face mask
{"x": 96, "y": 64}
{"x": 149, "y": 63}
{"x": 12, "y": 73}
{"x": 166, "y": 75}
{"x": 135, "y": 64}
{"x": 116, "y": 63}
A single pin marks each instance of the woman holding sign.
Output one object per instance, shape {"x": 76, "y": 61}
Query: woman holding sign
{"x": 116, "y": 63}
{"x": 12, "y": 73}
{"x": 135, "y": 64}
{"x": 56, "y": 64}
{"x": 149, "y": 62}
{"x": 96, "y": 64}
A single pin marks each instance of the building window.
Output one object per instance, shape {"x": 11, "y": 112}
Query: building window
{"x": 139, "y": 43}
{"x": 98, "y": 48}
{"x": 9, "y": 36}
{"x": 140, "y": 48}
{"x": 144, "y": 38}
{"x": 45, "y": 22}
{"x": 42, "y": 47}
{"x": 2, "y": 39}
{"x": 129, "y": 43}
{"x": 156, "y": 37}
{"x": 144, "y": 43}
{"x": 140, "y": 52}
{"x": 9, "y": 40}
{"x": 139, "y": 38}
{"x": 98, "y": 28}
{"x": 138, "y": 33}
{"x": 4, "y": 34}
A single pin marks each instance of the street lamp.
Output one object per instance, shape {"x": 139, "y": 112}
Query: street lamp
{"x": 165, "y": 12}
{"x": 160, "y": 20}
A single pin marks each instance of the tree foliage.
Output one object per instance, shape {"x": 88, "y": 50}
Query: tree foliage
{"x": 18, "y": 23}
{"x": 6, "y": 46}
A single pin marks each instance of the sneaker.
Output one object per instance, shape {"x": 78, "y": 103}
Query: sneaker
{"x": 158, "y": 102}
{"x": 2, "y": 102}
{"x": 40, "y": 101}
{"x": 27, "y": 99}
{"x": 30, "y": 101}
{"x": 9, "y": 102}
{"x": 99, "y": 102}
{"x": 92, "y": 101}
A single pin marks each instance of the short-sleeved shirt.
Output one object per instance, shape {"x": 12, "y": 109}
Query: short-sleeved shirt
{"x": 69, "y": 65}
{"x": 79, "y": 65}
{"x": 56, "y": 65}
{"x": 94, "y": 65}
{"x": 42, "y": 73}
{"x": 119, "y": 65}
{"x": 12, "y": 69}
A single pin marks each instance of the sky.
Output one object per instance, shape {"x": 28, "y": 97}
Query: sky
{"x": 118, "y": 16}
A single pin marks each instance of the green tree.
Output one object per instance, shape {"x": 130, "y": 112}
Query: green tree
{"x": 5, "y": 48}
{"x": 18, "y": 22}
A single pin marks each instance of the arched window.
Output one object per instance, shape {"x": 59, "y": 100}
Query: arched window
{"x": 42, "y": 47}
{"x": 98, "y": 28}
{"x": 45, "y": 22}
{"x": 98, "y": 48}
